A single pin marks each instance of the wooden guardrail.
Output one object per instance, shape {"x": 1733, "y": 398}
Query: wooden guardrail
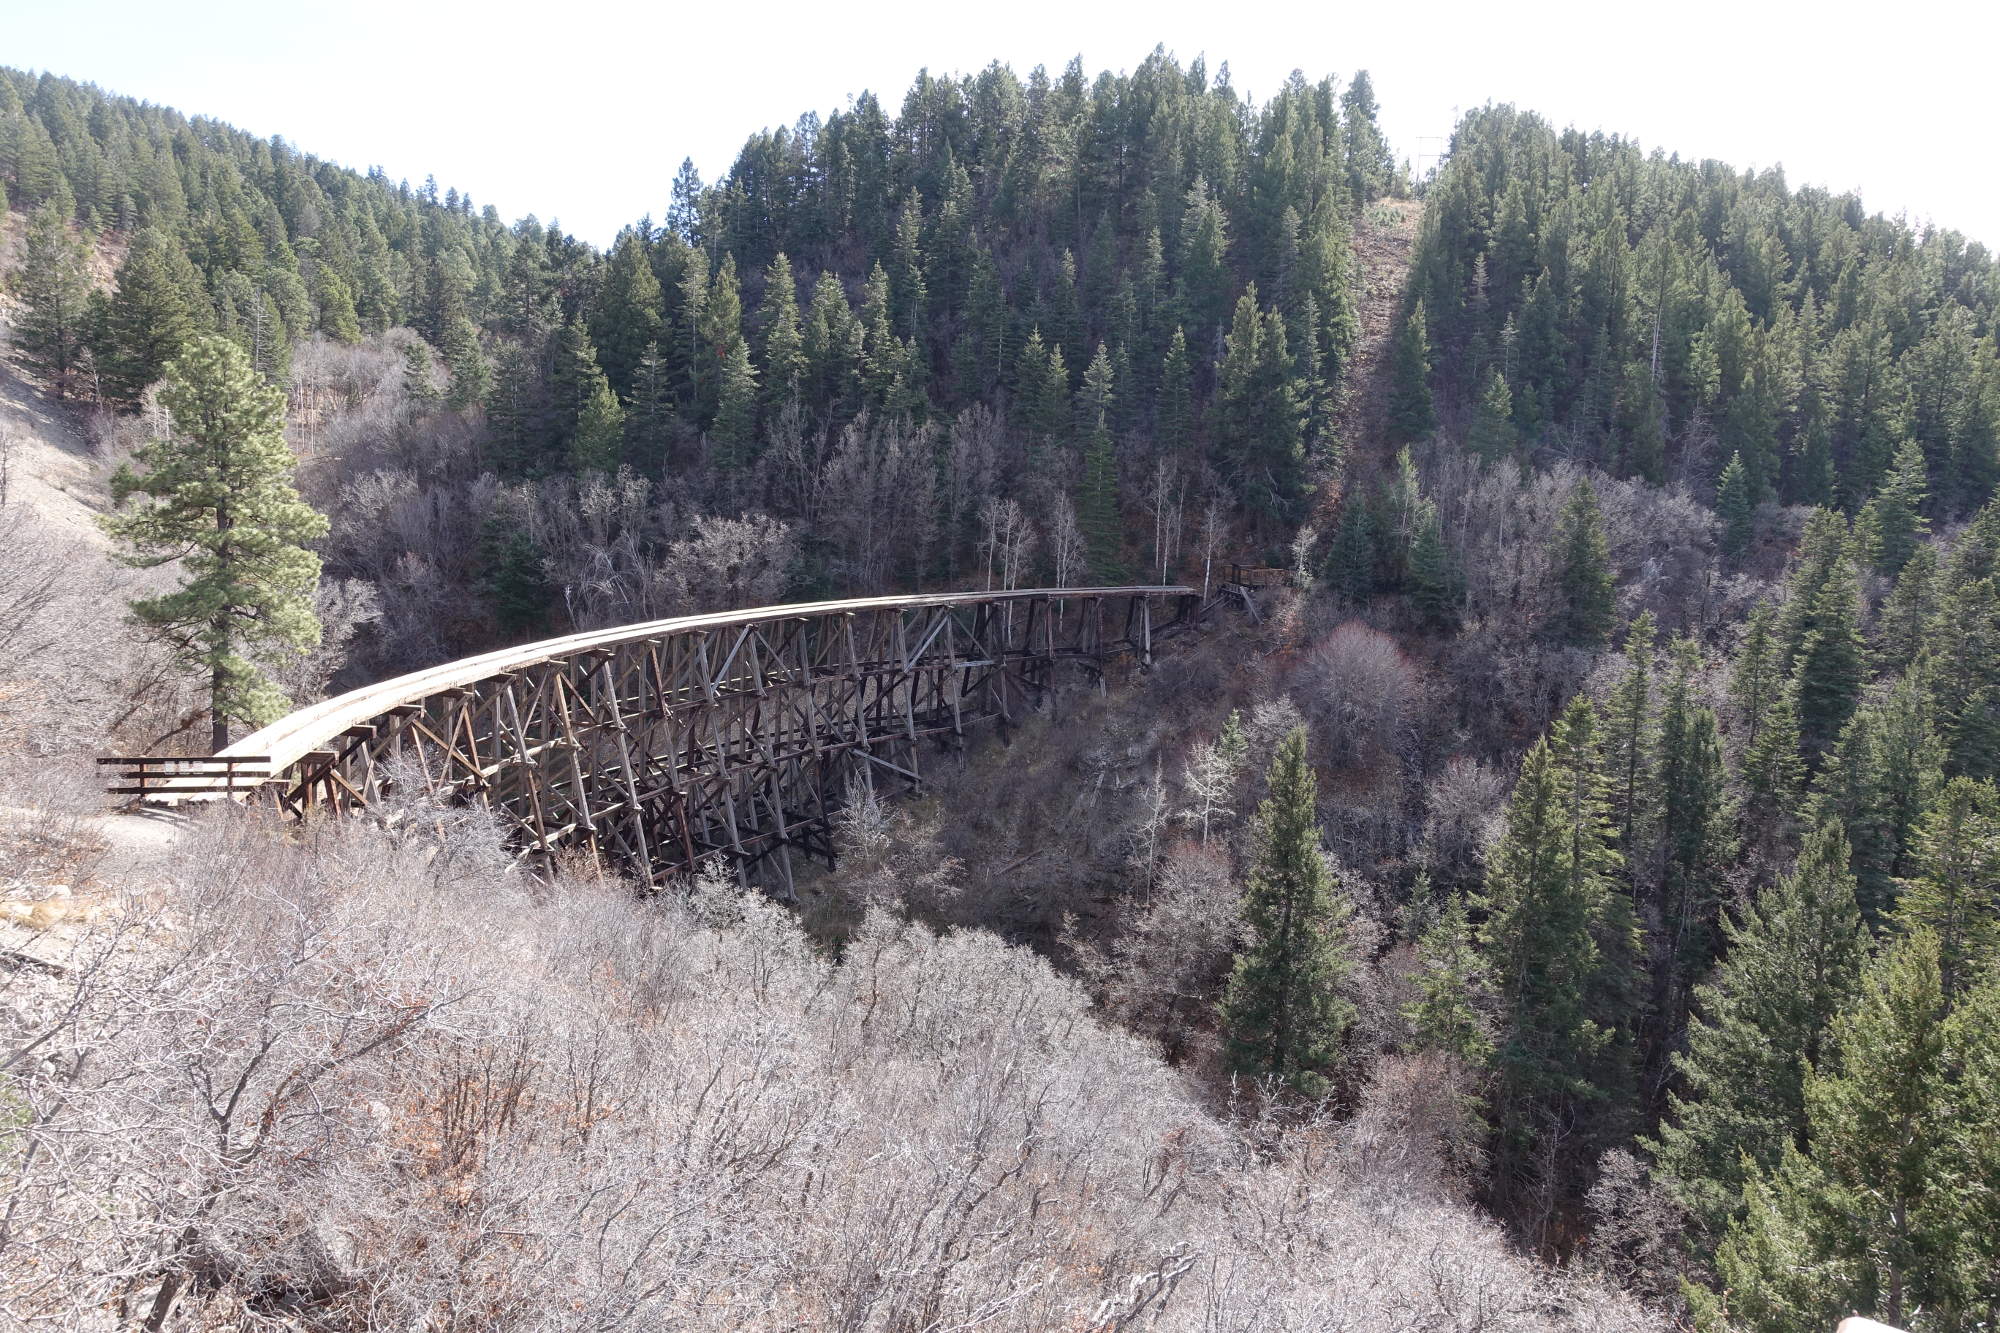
{"x": 167, "y": 775}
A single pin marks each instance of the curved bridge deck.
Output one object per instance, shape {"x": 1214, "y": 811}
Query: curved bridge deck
{"x": 661, "y": 744}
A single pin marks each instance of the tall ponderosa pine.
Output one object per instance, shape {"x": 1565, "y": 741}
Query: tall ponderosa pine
{"x": 1283, "y": 1012}
{"x": 224, "y": 506}
{"x": 1760, "y": 1021}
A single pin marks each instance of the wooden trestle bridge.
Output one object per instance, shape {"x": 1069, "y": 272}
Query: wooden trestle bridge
{"x": 659, "y": 745}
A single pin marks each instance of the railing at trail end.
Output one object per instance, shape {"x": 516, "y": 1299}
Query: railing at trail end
{"x": 662, "y": 744}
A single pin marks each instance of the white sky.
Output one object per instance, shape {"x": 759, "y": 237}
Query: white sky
{"x": 583, "y": 112}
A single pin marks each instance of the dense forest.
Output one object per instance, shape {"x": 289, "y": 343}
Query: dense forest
{"x": 1600, "y": 829}
{"x": 1025, "y": 330}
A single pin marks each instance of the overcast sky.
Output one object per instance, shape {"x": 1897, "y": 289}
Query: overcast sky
{"x": 583, "y": 111}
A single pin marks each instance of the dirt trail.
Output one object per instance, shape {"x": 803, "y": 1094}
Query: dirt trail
{"x": 1385, "y": 238}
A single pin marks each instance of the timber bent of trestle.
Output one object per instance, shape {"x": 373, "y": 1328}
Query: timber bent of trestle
{"x": 657, "y": 746}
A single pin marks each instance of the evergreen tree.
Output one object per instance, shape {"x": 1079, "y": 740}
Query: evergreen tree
{"x": 1352, "y": 561}
{"x": 223, "y": 505}
{"x": 1412, "y": 414}
{"x": 1628, "y": 732}
{"x": 1283, "y": 1011}
{"x": 1175, "y": 411}
{"x": 1694, "y": 843}
{"x": 784, "y": 358}
{"x": 1434, "y": 582}
{"x": 154, "y": 312}
{"x": 1204, "y": 278}
{"x": 736, "y": 411}
{"x": 1757, "y": 680}
{"x": 1560, "y": 944}
{"x": 1963, "y": 638}
{"x": 1097, "y": 506}
{"x": 335, "y": 300}
{"x": 54, "y": 286}
{"x": 1900, "y": 526}
{"x": 1760, "y": 1022}
{"x": 1830, "y": 668}
{"x": 1587, "y": 596}
{"x": 1864, "y": 1222}
{"x": 1774, "y": 776}
{"x": 599, "y": 439}
{"x": 1956, "y": 892}
{"x": 628, "y": 313}
{"x": 516, "y": 581}
{"x": 1901, "y": 626}
{"x": 651, "y": 423}
{"x": 1492, "y": 436}
{"x": 1446, "y": 1015}
{"x": 1259, "y": 420}
{"x": 1736, "y": 508}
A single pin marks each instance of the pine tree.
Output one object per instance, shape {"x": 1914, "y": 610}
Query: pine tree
{"x": 1970, "y": 1201}
{"x": 1492, "y": 436}
{"x": 1434, "y": 582}
{"x": 516, "y": 581}
{"x": 1756, "y": 680}
{"x": 735, "y": 430}
{"x": 1352, "y": 561}
{"x": 1587, "y": 596}
{"x": 1560, "y": 944}
{"x": 54, "y": 286}
{"x": 1900, "y": 526}
{"x": 1204, "y": 278}
{"x": 154, "y": 312}
{"x": 627, "y": 315}
{"x": 1628, "y": 732}
{"x": 784, "y": 358}
{"x": 1956, "y": 892}
{"x": 1774, "y": 777}
{"x": 1693, "y": 829}
{"x": 335, "y": 300}
{"x": 1906, "y": 612}
{"x": 225, "y": 508}
{"x": 599, "y": 438}
{"x": 1259, "y": 421}
{"x": 1446, "y": 1015}
{"x": 1963, "y": 638}
{"x": 1097, "y": 506}
{"x": 1175, "y": 410}
{"x": 1864, "y": 1222}
{"x": 1831, "y": 665}
{"x": 1283, "y": 1011}
{"x": 1736, "y": 508}
{"x": 1760, "y": 1022}
{"x": 1412, "y": 414}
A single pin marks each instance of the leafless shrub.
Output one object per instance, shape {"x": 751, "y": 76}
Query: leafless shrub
{"x": 1179, "y": 946}
{"x": 321, "y": 1083}
{"x": 727, "y": 563}
{"x": 1462, "y": 814}
{"x": 1359, "y": 689}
